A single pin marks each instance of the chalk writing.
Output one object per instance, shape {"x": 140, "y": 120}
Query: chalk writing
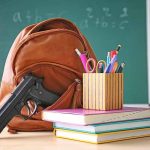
{"x": 34, "y": 16}
{"x": 17, "y": 17}
{"x": 124, "y": 12}
{"x": 89, "y": 12}
{"x": 106, "y": 10}
{"x": 107, "y": 20}
{"x": 122, "y": 24}
{"x": 102, "y": 18}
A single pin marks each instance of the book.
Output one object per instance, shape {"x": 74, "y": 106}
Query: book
{"x": 105, "y": 127}
{"x": 103, "y": 137}
{"x": 85, "y": 116}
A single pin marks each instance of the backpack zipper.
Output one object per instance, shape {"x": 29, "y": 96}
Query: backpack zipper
{"x": 35, "y": 65}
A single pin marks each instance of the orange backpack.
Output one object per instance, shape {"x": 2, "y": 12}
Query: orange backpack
{"x": 47, "y": 49}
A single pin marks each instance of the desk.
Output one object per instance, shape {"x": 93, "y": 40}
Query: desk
{"x": 47, "y": 141}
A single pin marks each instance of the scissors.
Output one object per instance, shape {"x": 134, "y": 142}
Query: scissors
{"x": 91, "y": 65}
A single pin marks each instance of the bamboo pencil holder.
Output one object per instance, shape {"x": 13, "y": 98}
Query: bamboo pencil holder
{"x": 103, "y": 91}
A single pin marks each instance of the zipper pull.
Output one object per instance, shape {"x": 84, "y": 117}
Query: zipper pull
{"x": 78, "y": 81}
{"x": 77, "y": 99}
{"x": 78, "y": 86}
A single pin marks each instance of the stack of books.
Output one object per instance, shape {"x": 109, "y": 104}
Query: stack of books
{"x": 100, "y": 126}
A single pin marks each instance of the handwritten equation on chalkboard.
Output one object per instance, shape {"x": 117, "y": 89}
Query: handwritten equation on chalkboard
{"x": 104, "y": 19}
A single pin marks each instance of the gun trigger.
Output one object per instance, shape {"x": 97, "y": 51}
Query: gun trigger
{"x": 28, "y": 109}
{"x": 34, "y": 111}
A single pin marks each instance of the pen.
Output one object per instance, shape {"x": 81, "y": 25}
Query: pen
{"x": 115, "y": 67}
{"x": 108, "y": 58}
{"x": 83, "y": 58}
{"x": 120, "y": 68}
{"x": 111, "y": 64}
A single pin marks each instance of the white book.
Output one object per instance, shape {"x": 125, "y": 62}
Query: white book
{"x": 85, "y": 116}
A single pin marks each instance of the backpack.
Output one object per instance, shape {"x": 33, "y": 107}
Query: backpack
{"x": 46, "y": 49}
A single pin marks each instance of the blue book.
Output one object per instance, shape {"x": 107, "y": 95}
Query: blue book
{"x": 105, "y": 127}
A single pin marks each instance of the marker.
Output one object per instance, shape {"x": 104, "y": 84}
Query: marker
{"x": 115, "y": 52}
{"x": 100, "y": 68}
{"x": 83, "y": 58}
{"x": 118, "y": 48}
{"x": 111, "y": 64}
{"x": 120, "y": 68}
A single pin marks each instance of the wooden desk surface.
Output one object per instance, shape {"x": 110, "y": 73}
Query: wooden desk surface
{"x": 47, "y": 141}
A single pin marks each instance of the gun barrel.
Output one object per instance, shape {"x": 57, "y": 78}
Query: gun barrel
{"x": 4, "y": 119}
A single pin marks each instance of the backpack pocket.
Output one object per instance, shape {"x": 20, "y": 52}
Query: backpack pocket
{"x": 56, "y": 77}
{"x": 61, "y": 80}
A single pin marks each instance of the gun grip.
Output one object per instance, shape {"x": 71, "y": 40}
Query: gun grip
{"x": 44, "y": 97}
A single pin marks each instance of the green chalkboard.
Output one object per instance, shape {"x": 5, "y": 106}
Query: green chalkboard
{"x": 105, "y": 23}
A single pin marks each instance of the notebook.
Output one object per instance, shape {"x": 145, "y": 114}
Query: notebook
{"x": 105, "y": 127}
{"x": 85, "y": 116}
{"x": 103, "y": 137}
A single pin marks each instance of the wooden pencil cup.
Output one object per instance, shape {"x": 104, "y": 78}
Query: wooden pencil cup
{"x": 103, "y": 91}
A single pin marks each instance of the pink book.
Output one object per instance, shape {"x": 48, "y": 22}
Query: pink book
{"x": 85, "y": 116}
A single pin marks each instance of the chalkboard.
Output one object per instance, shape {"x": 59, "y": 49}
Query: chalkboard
{"x": 105, "y": 23}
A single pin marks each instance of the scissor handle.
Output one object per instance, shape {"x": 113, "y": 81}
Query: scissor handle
{"x": 100, "y": 62}
{"x": 90, "y": 68}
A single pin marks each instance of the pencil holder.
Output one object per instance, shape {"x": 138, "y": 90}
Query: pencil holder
{"x": 103, "y": 91}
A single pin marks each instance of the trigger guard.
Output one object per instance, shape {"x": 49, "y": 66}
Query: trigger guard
{"x": 30, "y": 112}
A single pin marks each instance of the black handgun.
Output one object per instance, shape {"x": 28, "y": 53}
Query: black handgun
{"x": 29, "y": 91}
